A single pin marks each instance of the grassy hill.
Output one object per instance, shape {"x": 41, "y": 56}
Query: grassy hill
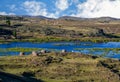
{"x": 59, "y": 67}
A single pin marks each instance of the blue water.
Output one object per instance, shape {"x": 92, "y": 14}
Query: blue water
{"x": 69, "y": 46}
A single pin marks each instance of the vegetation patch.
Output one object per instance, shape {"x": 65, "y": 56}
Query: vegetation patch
{"x": 102, "y": 51}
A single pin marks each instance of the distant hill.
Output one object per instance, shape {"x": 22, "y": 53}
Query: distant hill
{"x": 62, "y": 18}
{"x": 13, "y": 17}
{"x": 41, "y": 17}
{"x": 92, "y": 19}
{"x": 71, "y": 18}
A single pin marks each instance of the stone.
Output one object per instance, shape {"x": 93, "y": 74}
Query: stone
{"x": 34, "y": 53}
{"x": 63, "y": 51}
{"x": 43, "y": 51}
{"x": 21, "y": 54}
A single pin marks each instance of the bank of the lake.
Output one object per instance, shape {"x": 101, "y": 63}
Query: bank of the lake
{"x": 59, "y": 39}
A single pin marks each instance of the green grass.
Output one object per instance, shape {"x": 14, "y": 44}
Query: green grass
{"x": 100, "y": 49}
{"x": 104, "y": 50}
{"x": 23, "y": 49}
{"x": 67, "y": 39}
{"x": 18, "y": 49}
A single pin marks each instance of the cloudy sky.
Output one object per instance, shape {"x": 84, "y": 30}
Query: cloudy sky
{"x": 58, "y": 8}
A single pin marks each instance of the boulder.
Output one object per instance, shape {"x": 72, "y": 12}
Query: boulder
{"x": 43, "y": 51}
{"x": 63, "y": 51}
{"x": 34, "y": 53}
{"x": 21, "y": 54}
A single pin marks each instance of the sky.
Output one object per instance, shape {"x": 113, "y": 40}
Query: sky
{"x": 58, "y": 8}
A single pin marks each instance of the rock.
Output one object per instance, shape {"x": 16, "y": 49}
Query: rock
{"x": 34, "y": 53}
{"x": 43, "y": 51}
{"x": 63, "y": 51}
{"x": 21, "y": 54}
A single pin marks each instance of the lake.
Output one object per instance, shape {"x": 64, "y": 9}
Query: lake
{"x": 109, "y": 49}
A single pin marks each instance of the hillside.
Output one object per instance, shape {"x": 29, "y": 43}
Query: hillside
{"x": 36, "y": 27}
{"x": 59, "y": 67}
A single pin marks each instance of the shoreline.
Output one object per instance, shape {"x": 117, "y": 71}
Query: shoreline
{"x": 59, "y": 39}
